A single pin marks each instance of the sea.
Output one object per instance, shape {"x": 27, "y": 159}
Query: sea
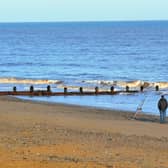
{"x": 87, "y": 54}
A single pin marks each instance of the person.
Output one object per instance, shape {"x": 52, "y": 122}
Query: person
{"x": 162, "y": 106}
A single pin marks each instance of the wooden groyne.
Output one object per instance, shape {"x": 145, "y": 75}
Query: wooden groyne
{"x": 81, "y": 92}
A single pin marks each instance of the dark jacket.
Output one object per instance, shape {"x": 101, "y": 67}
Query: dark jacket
{"x": 162, "y": 104}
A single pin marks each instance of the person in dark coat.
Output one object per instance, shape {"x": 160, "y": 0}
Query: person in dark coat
{"x": 162, "y": 106}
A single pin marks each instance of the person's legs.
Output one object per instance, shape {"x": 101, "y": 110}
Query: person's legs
{"x": 164, "y": 116}
{"x": 161, "y": 117}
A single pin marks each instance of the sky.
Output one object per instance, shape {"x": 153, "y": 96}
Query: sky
{"x": 82, "y": 10}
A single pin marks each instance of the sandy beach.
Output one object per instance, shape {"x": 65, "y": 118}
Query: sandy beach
{"x": 41, "y": 135}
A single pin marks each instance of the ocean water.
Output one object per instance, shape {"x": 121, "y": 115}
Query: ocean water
{"x": 87, "y": 54}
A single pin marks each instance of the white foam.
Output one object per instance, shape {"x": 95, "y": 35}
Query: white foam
{"x": 99, "y": 82}
{"x": 87, "y": 89}
{"x": 161, "y": 85}
{"x": 27, "y": 81}
{"x": 102, "y": 84}
{"x": 75, "y": 87}
{"x": 131, "y": 84}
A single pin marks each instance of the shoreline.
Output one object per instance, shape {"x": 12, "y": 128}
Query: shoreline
{"x": 130, "y": 114}
{"x": 101, "y": 107}
{"x": 44, "y": 135}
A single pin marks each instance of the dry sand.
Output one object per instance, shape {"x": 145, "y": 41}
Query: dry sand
{"x": 41, "y": 135}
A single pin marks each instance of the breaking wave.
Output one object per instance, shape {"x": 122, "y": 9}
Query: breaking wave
{"x": 88, "y": 85}
{"x": 131, "y": 84}
{"x": 87, "y": 89}
{"x": 28, "y": 81}
{"x": 75, "y": 87}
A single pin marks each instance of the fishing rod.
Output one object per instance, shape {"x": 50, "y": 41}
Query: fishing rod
{"x": 139, "y": 108}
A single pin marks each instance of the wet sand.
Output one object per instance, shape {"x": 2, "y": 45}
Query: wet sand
{"x": 41, "y": 135}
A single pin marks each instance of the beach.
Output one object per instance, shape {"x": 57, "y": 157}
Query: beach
{"x": 45, "y": 135}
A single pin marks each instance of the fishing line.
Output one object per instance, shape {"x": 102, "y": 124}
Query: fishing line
{"x": 139, "y": 108}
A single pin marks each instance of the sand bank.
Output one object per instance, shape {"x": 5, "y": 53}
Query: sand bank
{"x": 42, "y": 135}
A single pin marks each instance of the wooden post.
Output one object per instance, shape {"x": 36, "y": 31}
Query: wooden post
{"x": 157, "y": 88}
{"x": 65, "y": 90}
{"x": 141, "y": 88}
{"x": 127, "y": 88}
{"x": 96, "y": 90}
{"x": 112, "y": 89}
{"x": 31, "y": 89}
{"x": 48, "y": 88}
{"x": 81, "y": 90}
{"x": 14, "y": 89}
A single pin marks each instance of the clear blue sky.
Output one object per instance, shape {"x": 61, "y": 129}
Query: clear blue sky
{"x": 82, "y": 10}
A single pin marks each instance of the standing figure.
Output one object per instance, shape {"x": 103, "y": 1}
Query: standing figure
{"x": 162, "y": 106}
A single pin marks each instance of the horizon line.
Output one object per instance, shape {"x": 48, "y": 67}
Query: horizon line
{"x": 87, "y": 21}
